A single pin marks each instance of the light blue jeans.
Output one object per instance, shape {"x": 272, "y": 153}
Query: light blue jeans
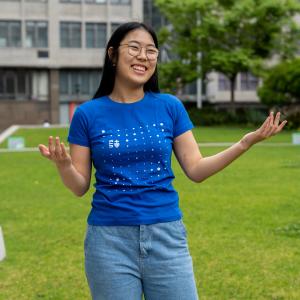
{"x": 125, "y": 262}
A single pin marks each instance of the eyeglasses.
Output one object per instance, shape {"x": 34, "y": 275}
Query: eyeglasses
{"x": 135, "y": 50}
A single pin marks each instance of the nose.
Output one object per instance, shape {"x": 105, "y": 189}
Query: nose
{"x": 142, "y": 54}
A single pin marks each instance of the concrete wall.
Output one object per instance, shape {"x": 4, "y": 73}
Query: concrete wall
{"x": 54, "y": 12}
{"x": 23, "y": 112}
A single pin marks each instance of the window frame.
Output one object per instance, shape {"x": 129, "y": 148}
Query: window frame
{"x": 9, "y": 35}
{"x": 68, "y": 45}
{"x": 36, "y": 40}
{"x": 96, "y": 36}
{"x": 249, "y": 82}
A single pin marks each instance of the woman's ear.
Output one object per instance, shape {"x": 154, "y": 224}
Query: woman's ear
{"x": 111, "y": 55}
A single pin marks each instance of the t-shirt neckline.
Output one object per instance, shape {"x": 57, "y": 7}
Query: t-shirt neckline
{"x": 108, "y": 99}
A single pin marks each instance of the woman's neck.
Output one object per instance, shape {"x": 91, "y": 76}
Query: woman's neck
{"x": 126, "y": 95}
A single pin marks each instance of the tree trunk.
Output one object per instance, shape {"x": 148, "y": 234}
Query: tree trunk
{"x": 179, "y": 87}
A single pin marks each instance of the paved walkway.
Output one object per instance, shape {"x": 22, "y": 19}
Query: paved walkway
{"x": 201, "y": 145}
{"x": 8, "y": 132}
{"x": 12, "y": 129}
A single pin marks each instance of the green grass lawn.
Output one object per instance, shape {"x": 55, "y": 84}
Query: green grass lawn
{"x": 243, "y": 227}
{"x": 33, "y": 137}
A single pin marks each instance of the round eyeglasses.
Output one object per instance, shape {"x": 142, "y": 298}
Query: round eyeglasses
{"x": 135, "y": 50}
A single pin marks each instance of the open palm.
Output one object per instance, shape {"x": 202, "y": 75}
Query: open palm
{"x": 270, "y": 127}
{"x": 56, "y": 152}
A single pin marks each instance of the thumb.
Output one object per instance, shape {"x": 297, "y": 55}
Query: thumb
{"x": 44, "y": 150}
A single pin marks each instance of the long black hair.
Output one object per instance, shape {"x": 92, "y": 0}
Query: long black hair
{"x": 109, "y": 70}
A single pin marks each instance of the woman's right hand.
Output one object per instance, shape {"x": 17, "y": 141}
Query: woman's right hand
{"x": 56, "y": 152}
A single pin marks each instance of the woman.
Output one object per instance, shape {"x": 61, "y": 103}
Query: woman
{"x": 136, "y": 242}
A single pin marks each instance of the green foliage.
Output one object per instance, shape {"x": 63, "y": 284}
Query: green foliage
{"x": 174, "y": 75}
{"x": 281, "y": 87}
{"x": 282, "y": 84}
{"x": 232, "y": 36}
{"x": 211, "y": 116}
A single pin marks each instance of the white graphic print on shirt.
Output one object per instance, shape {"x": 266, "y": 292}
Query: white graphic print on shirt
{"x": 136, "y": 154}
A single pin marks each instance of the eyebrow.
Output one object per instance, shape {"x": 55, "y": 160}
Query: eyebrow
{"x": 134, "y": 41}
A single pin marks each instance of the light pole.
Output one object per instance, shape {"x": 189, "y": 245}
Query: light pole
{"x": 199, "y": 79}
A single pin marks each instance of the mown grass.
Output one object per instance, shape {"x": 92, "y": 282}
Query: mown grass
{"x": 33, "y": 137}
{"x": 239, "y": 226}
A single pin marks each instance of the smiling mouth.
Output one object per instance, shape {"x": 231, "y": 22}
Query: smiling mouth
{"x": 139, "y": 68}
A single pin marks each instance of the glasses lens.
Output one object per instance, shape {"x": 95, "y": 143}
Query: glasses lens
{"x": 134, "y": 50}
{"x": 152, "y": 54}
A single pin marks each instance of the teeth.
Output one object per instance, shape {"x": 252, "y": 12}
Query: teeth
{"x": 139, "y": 68}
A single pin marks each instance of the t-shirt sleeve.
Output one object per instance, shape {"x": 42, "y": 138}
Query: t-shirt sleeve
{"x": 182, "y": 122}
{"x": 78, "y": 133}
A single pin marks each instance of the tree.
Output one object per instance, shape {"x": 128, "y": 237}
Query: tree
{"x": 282, "y": 84}
{"x": 232, "y": 35}
{"x": 281, "y": 87}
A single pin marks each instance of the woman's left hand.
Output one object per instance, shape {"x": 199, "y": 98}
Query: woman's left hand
{"x": 270, "y": 127}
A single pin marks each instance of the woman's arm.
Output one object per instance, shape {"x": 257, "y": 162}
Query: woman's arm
{"x": 74, "y": 169}
{"x": 198, "y": 168}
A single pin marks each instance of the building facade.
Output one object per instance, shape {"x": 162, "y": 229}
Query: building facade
{"x": 51, "y": 55}
{"x": 52, "y": 52}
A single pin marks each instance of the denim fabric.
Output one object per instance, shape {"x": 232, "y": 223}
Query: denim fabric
{"x": 125, "y": 262}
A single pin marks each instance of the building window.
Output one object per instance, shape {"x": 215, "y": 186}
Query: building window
{"x": 114, "y": 26}
{"x": 95, "y": 35}
{"x": 40, "y": 1}
{"x": 126, "y": 2}
{"x": 23, "y": 84}
{"x": 224, "y": 83}
{"x": 190, "y": 88}
{"x": 39, "y": 85}
{"x": 36, "y": 34}
{"x": 96, "y": 1}
{"x": 248, "y": 82}
{"x": 70, "y": 34}
{"x": 70, "y": 1}
{"x": 78, "y": 84}
{"x": 10, "y": 34}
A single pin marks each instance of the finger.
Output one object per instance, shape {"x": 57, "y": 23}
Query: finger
{"x": 51, "y": 146}
{"x": 44, "y": 150}
{"x": 281, "y": 125}
{"x": 266, "y": 129}
{"x": 277, "y": 118}
{"x": 271, "y": 130}
{"x": 274, "y": 128}
{"x": 63, "y": 150}
{"x": 265, "y": 124}
{"x": 57, "y": 147}
{"x": 271, "y": 117}
{"x": 271, "y": 122}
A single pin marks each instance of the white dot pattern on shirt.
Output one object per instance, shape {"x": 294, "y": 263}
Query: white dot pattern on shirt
{"x": 155, "y": 132}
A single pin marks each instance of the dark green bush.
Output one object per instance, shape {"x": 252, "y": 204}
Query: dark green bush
{"x": 281, "y": 85}
{"x": 212, "y": 115}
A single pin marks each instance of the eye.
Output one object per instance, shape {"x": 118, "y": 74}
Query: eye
{"x": 151, "y": 51}
{"x": 133, "y": 47}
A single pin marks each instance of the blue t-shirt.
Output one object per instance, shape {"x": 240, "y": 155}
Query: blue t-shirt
{"x": 131, "y": 148}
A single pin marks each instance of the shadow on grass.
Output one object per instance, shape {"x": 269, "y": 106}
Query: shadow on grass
{"x": 290, "y": 230}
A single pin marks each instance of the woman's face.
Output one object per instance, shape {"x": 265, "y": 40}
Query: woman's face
{"x": 133, "y": 68}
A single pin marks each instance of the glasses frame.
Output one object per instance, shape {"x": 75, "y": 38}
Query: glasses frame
{"x": 140, "y": 47}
